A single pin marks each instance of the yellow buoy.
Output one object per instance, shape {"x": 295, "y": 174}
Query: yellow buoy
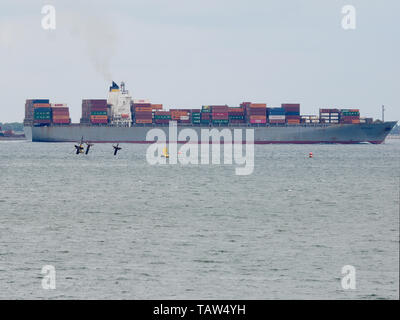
{"x": 165, "y": 153}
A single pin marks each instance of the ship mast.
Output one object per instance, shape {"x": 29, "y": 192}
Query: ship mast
{"x": 383, "y": 113}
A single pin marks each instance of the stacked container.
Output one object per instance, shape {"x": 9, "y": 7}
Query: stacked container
{"x": 180, "y": 115}
{"x": 29, "y": 103}
{"x": 94, "y": 111}
{"x": 236, "y": 115}
{"x": 142, "y": 112}
{"x": 276, "y": 115}
{"x": 350, "y": 116}
{"x": 156, "y": 107}
{"x": 256, "y": 113}
{"x": 220, "y": 115}
{"x": 196, "y": 116}
{"x": 292, "y": 112}
{"x": 205, "y": 115}
{"x": 60, "y": 113}
{"x": 41, "y": 113}
{"x": 329, "y": 115}
{"x": 309, "y": 119}
{"x": 162, "y": 117}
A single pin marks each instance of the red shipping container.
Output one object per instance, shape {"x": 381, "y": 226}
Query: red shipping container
{"x": 258, "y": 120}
{"x": 162, "y": 113}
{"x": 160, "y": 121}
{"x": 258, "y": 112}
{"x": 218, "y": 109}
{"x": 276, "y": 121}
{"x": 291, "y": 105}
{"x": 143, "y": 120}
{"x": 289, "y": 117}
{"x": 258, "y": 105}
{"x": 222, "y": 114}
{"x": 329, "y": 110}
{"x": 143, "y": 114}
{"x": 236, "y": 110}
{"x": 143, "y": 109}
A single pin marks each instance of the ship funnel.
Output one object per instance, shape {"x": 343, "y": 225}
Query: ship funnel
{"x": 114, "y": 87}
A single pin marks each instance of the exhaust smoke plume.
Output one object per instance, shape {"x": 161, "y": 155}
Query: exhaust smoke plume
{"x": 100, "y": 39}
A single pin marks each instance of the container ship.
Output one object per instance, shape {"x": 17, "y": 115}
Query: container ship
{"x": 122, "y": 119}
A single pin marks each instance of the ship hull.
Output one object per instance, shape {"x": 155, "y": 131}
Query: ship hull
{"x": 296, "y": 134}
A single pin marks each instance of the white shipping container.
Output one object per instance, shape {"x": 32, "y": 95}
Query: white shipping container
{"x": 141, "y": 101}
{"x": 277, "y": 117}
{"x": 58, "y": 105}
{"x": 184, "y": 118}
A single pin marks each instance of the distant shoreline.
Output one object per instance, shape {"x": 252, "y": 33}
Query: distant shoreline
{"x": 14, "y": 138}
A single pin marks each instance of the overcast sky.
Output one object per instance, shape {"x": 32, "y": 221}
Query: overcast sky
{"x": 188, "y": 53}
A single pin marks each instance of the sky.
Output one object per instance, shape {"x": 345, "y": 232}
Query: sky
{"x": 189, "y": 53}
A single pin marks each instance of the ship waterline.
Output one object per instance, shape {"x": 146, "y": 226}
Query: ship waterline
{"x": 268, "y": 134}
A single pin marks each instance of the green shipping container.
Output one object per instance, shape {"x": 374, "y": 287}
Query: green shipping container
{"x": 99, "y": 113}
{"x": 42, "y": 114}
{"x": 353, "y": 114}
{"x": 236, "y": 117}
{"x": 163, "y": 117}
{"x": 220, "y": 121}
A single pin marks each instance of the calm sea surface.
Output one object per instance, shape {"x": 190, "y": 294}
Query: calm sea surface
{"x": 117, "y": 227}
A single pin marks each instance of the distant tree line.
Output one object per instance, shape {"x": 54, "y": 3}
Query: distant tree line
{"x": 15, "y": 126}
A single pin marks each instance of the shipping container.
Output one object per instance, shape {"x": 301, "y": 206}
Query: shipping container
{"x": 205, "y": 116}
{"x": 236, "y": 110}
{"x": 293, "y": 108}
{"x": 276, "y": 111}
{"x": 141, "y": 101}
{"x": 162, "y": 121}
{"x": 143, "y": 120}
{"x": 219, "y": 109}
{"x": 276, "y": 121}
{"x": 258, "y": 105}
{"x": 236, "y": 117}
{"x": 220, "y": 121}
{"x": 157, "y": 106}
{"x": 143, "y": 109}
{"x": 277, "y": 117}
